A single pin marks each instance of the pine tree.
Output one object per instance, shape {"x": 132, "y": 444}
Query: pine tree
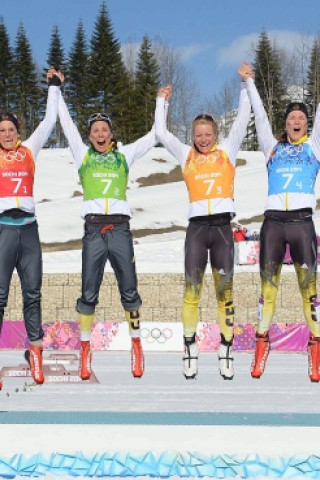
{"x": 108, "y": 77}
{"x": 26, "y": 84}
{"x": 146, "y": 87}
{"x": 313, "y": 79}
{"x": 56, "y": 55}
{"x": 269, "y": 83}
{"x": 130, "y": 114}
{"x": 78, "y": 91}
{"x": 56, "y": 58}
{"x": 6, "y": 60}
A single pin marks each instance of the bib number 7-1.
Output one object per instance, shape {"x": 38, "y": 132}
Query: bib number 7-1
{"x": 18, "y": 185}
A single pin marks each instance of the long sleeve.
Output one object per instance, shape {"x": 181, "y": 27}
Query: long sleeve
{"x": 265, "y": 136}
{"x": 315, "y": 134}
{"x": 178, "y": 149}
{"x": 77, "y": 147}
{"x": 238, "y": 130}
{"x": 41, "y": 134}
{"x": 137, "y": 149}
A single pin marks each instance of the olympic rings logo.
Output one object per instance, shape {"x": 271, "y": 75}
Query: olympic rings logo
{"x": 156, "y": 334}
{"x": 108, "y": 157}
{"x": 291, "y": 151}
{"x": 210, "y": 159}
{"x": 13, "y": 155}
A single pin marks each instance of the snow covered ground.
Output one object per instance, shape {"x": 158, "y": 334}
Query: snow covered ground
{"x": 274, "y": 420}
{"x": 285, "y": 386}
{"x": 161, "y": 206}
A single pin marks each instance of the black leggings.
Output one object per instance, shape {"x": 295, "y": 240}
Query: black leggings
{"x": 211, "y": 234}
{"x": 295, "y": 228}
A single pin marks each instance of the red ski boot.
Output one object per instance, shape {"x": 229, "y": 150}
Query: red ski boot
{"x": 137, "y": 358}
{"x": 261, "y": 354}
{"x": 314, "y": 358}
{"x": 85, "y": 360}
{"x": 34, "y": 358}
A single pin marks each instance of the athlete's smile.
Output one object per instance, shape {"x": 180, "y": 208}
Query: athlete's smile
{"x": 100, "y": 135}
{"x": 204, "y": 137}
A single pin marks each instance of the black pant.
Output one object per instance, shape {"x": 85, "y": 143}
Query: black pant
{"x": 20, "y": 249}
{"x": 213, "y": 235}
{"x": 209, "y": 235}
{"x": 101, "y": 243}
{"x": 295, "y": 228}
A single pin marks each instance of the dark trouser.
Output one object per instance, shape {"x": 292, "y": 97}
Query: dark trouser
{"x": 112, "y": 242}
{"x": 295, "y": 228}
{"x": 211, "y": 234}
{"x": 20, "y": 249}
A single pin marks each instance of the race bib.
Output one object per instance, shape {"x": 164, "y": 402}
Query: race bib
{"x": 292, "y": 168}
{"x": 104, "y": 175}
{"x": 209, "y": 176}
{"x": 16, "y": 173}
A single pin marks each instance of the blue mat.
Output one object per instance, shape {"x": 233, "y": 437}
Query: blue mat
{"x": 162, "y": 418}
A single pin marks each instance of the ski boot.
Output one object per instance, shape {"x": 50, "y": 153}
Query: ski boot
{"x": 261, "y": 354}
{"x": 137, "y": 358}
{"x": 314, "y": 358}
{"x": 85, "y": 360}
{"x": 190, "y": 357}
{"x": 225, "y": 357}
{"x": 34, "y": 358}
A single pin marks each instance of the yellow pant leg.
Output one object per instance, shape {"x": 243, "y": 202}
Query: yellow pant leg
{"x": 267, "y": 302}
{"x": 133, "y": 319}
{"x": 86, "y": 322}
{"x": 308, "y": 290}
{"x": 224, "y": 294}
{"x": 190, "y": 307}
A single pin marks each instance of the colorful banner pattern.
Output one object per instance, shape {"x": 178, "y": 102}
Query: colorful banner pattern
{"x": 111, "y": 335}
{"x": 247, "y": 252}
{"x": 283, "y": 337}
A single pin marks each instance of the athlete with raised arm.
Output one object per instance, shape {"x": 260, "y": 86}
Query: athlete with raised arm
{"x": 208, "y": 168}
{"x": 292, "y": 163}
{"x": 103, "y": 168}
{"x": 19, "y": 238}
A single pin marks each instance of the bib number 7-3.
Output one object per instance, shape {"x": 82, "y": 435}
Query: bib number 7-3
{"x": 210, "y": 187}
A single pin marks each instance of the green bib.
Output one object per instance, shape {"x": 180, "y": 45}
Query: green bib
{"x": 104, "y": 175}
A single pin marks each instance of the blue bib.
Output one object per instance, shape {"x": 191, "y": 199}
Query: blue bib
{"x": 292, "y": 168}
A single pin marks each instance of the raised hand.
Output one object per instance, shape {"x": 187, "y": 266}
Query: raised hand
{"x": 246, "y": 71}
{"x": 165, "y": 92}
{"x": 54, "y": 77}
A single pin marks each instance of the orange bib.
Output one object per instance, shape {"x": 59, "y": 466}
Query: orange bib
{"x": 208, "y": 176}
{"x": 16, "y": 172}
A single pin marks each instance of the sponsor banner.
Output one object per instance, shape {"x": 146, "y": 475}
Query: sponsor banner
{"x": 283, "y": 337}
{"x": 247, "y": 252}
{"x": 156, "y": 336}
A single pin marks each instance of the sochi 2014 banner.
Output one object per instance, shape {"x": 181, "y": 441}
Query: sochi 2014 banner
{"x": 164, "y": 336}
